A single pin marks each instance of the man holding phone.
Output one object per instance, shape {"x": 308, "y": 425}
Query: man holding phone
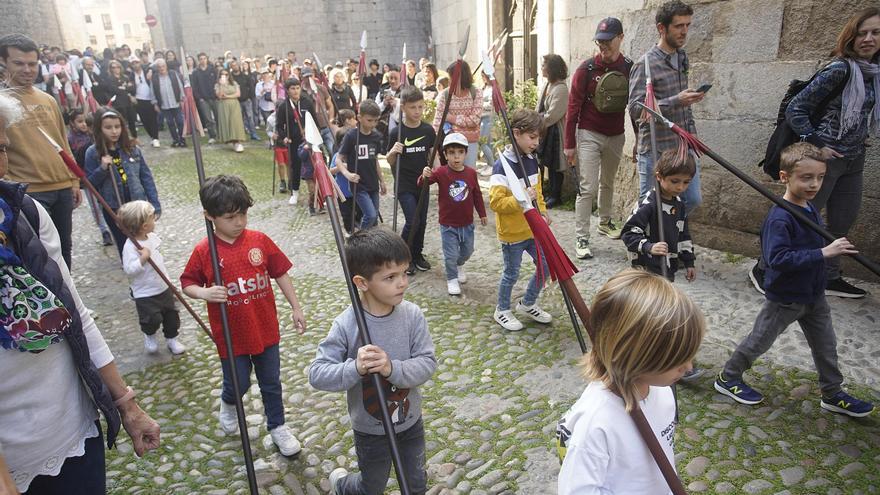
{"x": 669, "y": 73}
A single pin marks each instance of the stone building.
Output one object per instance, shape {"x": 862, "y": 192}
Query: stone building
{"x": 51, "y": 22}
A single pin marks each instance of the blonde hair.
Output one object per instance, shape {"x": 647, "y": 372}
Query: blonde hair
{"x": 134, "y": 214}
{"x": 794, "y": 153}
{"x": 643, "y": 324}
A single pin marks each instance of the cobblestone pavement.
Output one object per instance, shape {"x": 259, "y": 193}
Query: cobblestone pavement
{"x": 490, "y": 410}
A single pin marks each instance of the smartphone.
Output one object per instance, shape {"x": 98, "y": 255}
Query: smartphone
{"x": 705, "y": 87}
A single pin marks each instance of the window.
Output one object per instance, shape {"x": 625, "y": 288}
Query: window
{"x": 88, "y": 19}
{"x": 93, "y": 40}
{"x": 108, "y": 26}
{"x": 126, "y": 28}
{"x": 111, "y": 41}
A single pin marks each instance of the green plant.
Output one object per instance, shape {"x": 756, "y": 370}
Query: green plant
{"x": 430, "y": 110}
{"x": 524, "y": 95}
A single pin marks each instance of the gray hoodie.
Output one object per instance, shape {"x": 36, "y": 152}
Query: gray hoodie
{"x": 403, "y": 335}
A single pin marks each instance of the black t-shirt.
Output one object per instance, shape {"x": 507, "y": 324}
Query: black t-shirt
{"x": 417, "y": 143}
{"x": 120, "y": 172}
{"x": 372, "y": 83}
{"x": 368, "y": 149}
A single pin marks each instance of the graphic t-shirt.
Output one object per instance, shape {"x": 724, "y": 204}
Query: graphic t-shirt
{"x": 247, "y": 267}
{"x": 457, "y": 196}
{"x": 120, "y": 172}
{"x": 368, "y": 147}
{"x": 417, "y": 142}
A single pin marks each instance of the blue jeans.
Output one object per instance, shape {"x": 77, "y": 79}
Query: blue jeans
{"x": 458, "y": 246}
{"x": 691, "y": 198}
{"x": 408, "y": 203}
{"x": 81, "y": 475}
{"x": 247, "y": 117}
{"x": 486, "y": 132}
{"x": 374, "y": 462}
{"x": 329, "y": 141}
{"x": 267, "y": 367}
{"x": 512, "y": 253}
{"x": 174, "y": 120}
{"x": 368, "y": 202}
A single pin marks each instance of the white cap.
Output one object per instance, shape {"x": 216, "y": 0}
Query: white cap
{"x": 455, "y": 138}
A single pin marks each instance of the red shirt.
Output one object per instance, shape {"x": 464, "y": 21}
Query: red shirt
{"x": 247, "y": 267}
{"x": 459, "y": 193}
{"x": 581, "y": 113}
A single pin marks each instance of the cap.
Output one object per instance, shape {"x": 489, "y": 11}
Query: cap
{"x": 455, "y": 138}
{"x": 306, "y": 71}
{"x": 608, "y": 28}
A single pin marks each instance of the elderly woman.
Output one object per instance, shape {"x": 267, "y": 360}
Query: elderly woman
{"x": 341, "y": 93}
{"x": 552, "y": 105}
{"x": 57, "y": 370}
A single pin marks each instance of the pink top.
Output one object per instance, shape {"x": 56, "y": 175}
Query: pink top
{"x": 464, "y": 114}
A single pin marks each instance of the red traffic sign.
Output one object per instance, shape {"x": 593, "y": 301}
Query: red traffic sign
{"x": 151, "y": 20}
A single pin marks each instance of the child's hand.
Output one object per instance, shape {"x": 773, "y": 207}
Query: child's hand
{"x": 660, "y": 249}
{"x": 299, "y": 320}
{"x": 144, "y": 253}
{"x": 838, "y": 247}
{"x": 691, "y": 274}
{"x": 547, "y": 218}
{"x": 106, "y": 160}
{"x": 214, "y": 294}
{"x": 484, "y": 221}
{"x": 372, "y": 359}
{"x": 533, "y": 195}
{"x": 397, "y": 148}
{"x": 353, "y": 178}
{"x": 287, "y": 141}
{"x": 426, "y": 172}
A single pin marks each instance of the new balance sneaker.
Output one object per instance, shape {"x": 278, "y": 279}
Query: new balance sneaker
{"x": 228, "y": 418}
{"x": 453, "y": 287}
{"x": 287, "y": 444}
{"x": 462, "y": 276}
{"x": 534, "y": 312}
{"x": 756, "y": 275}
{"x": 582, "y": 249}
{"x": 737, "y": 390}
{"x": 175, "y": 346}
{"x": 507, "y": 320}
{"x": 693, "y": 374}
{"x": 421, "y": 263}
{"x": 150, "y": 344}
{"x": 294, "y": 198}
{"x": 843, "y": 403}
{"x": 336, "y": 475}
{"x": 841, "y": 288}
{"x": 609, "y": 230}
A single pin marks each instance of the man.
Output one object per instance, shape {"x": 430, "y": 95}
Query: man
{"x": 203, "y": 79}
{"x": 323, "y": 105}
{"x": 669, "y": 72}
{"x": 167, "y": 89}
{"x": 373, "y": 80}
{"x": 100, "y": 91}
{"x": 388, "y": 101}
{"x": 31, "y": 159}
{"x": 246, "y": 94}
{"x": 291, "y": 57}
{"x": 594, "y": 139}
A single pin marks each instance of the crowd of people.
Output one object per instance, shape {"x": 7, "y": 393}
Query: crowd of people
{"x": 575, "y": 126}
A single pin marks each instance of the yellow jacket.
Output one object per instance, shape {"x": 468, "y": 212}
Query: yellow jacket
{"x": 510, "y": 224}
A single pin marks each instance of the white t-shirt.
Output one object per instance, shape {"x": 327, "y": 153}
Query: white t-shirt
{"x": 605, "y": 453}
{"x": 145, "y": 282}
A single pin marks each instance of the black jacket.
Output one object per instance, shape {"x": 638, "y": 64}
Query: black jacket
{"x": 285, "y": 122}
{"x": 203, "y": 82}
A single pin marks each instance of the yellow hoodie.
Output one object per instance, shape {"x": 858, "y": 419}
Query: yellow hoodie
{"x": 510, "y": 224}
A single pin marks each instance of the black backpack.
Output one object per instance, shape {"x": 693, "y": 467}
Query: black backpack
{"x": 783, "y": 135}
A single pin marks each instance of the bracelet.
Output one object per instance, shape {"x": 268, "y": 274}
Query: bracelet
{"x": 127, "y": 397}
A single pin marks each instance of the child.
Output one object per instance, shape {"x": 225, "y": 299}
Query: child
{"x": 511, "y": 226}
{"x": 457, "y": 196}
{"x": 346, "y": 119}
{"x": 795, "y": 288}
{"x": 80, "y": 138}
{"x": 402, "y": 353}
{"x": 407, "y": 157}
{"x": 361, "y": 166}
{"x": 152, "y": 298}
{"x": 280, "y": 153}
{"x": 640, "y": 233}
{"x": 636, "y": 356}
{"x": 249, "y": 260}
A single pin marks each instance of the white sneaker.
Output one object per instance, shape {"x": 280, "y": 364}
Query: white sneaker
{"x": 294, "y": 198}
{"x": 150, "y": 344}
{"x": 534, "y": 312}
{"x": 156, "y": 143}
{"x": 453, "y": 288}
{"x": 336, "y": 475}
{"x": 175, "y": 346}
{"x": 212, "y": 141}
{"x": 238, "y": 148}
{"x": 228, "y": 418}
{"x": 507, "y": 320}
{"x": 287, "y": 444}
{"x": 462, "y": 276}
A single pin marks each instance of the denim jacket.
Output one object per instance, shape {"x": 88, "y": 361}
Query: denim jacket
{"x": 140, "y": 179}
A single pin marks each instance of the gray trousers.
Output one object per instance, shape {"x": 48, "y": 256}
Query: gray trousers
{"x": 374, "y": 461}
{"x": 208, "y": 114}
{"x": 774, "y": 318}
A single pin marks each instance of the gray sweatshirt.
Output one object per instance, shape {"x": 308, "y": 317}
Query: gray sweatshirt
{"x": 403, "y": 335}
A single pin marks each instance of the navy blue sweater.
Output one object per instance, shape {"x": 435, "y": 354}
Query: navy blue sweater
{"x": 793, "y": 254}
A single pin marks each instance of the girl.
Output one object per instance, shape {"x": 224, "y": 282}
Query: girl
{"x": 647, "y": 334}
{"x": 117, "y": 169}
{"x": 80, "y": 138}
{"x": 171, "y": 60}
{"x": 230, "y": 126}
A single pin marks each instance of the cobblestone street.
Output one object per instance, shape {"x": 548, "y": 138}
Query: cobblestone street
{"x": 491, "y": 408}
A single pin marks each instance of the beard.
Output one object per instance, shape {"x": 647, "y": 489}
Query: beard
{"x": 672, "y": 41}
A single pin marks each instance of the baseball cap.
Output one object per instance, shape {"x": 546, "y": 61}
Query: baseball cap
{"x": 306, "y": 71}
{"x": 608, "y": 28}
{"x": 455, "y": 138}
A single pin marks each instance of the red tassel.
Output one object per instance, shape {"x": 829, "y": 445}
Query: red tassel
{"x": 560, "y": 266}
{"x": 71, "y": 164}
{"x": 322, "y": 179}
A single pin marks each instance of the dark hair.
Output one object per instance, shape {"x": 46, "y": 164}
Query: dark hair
{"x": 340, "y": 134}
{"x": 794, "y": 153}
{"x": 71, "y": 115}
{"x": 374, "y": 62}
{"x": 432, "y": 68}
{"x": 556, "y": 68}
{"x": 343, "y": 115}
{"x": 368, "y": 250}
{"x": 224, "y": 194}
{"x": 467, "y": 79}
{"x": 411, "y": 94}
{"x": 272, "y": 61}
{"x": 101, "y": 115}
{"x": 671, "y": 9}
{"x": 291, "y": 51}
{"x": 526, "y": 120}
{"x": 670, "y": 163}
{"x": 18, "y": 41}
{"x": 199, "y": 55}
{"x": 291, "y": 82}
{"x": 847, "y": 36}
{"x": 370, "y": 108}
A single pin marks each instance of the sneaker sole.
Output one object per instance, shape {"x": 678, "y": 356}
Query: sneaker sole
{"x": 610, "y": 236}
{"x": 585, "y": 256}
{"x": 756, "y": 284}
{"x": 535, "y": 319}
{"x": 840, "y": 410}
{"x": 291, "y": 454}
{"x": 693, "y": 377}
{"x": 422, "y": 268}
{"x": 845, "y": 295}
{"x": 504, "y": 326}
{"x": 724, "y": 391}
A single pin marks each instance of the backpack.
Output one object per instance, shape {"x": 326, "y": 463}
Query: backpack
{"x": 612, "y": 88}
{"x": 783, "y": 135}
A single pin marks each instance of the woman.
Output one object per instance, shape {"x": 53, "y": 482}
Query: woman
{"x": 487, "y": 120}
{"x": 121, "y": 91}
{"x": 552, "y": 105}
{"x": 357, "y": 87}
{"x": 190, "y": 64}
{"x": 230, "y": 126}
{"x": 75, "y": 369}
{"x": 465, "y": 111}
{"x": 840, "y": 132}
{"x": 431, "y": 76}
{"x": 411, "y": 71}
{"x": 171, "y": 60}
{"x": 341, "y": 93}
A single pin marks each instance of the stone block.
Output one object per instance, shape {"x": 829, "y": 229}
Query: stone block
{"x": 746, "y": 31}
{"x": 611, "y": 8}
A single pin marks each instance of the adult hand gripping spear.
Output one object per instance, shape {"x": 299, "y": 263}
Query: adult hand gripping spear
{"x": 224, "y": 317}
{"x": 396, "y": 174}
{"x": 328, "y": 195}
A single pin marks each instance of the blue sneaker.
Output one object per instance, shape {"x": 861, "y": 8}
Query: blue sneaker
{"x": 737, "y": 390}
{"x": 843, "y": 403}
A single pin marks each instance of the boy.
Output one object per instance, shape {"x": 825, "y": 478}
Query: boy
{"x": 640, "y": 232}
{"x": 795, "y": 288}
{"x": 153, "y": 299}
{"x": 407, "y": 157}
{"x": 457, "y": 196}
{"x": 402, "y": 353}
{"x": 249, "y": 259}
{"x": 346, "y": 119}
{"x": 361, "y": 166}
{"x": 511, "y": 226}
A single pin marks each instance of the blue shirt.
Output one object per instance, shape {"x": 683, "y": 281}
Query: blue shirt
{"x": 793, "y": 255}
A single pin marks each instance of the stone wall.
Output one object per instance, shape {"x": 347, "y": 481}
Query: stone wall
{"x": 54, "y": 23}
